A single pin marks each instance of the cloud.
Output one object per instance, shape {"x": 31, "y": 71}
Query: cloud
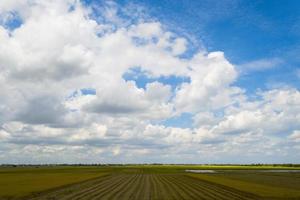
{"x": 295, "y": 136}
{"x": 6, "y": 6}
{"x": 41, "y": 110}
{"x": 276, "y": 113}
{"x": 211, "y": 76}
{"x": 58, "y": 52}
{"x": 260, "y": 65}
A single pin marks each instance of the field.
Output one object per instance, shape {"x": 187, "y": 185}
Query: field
{"x": 148, "y": 182}
{"x": 17, "y": 182}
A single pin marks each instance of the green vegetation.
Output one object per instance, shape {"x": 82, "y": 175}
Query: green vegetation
{"x": 16, "y": 182}
{"x": 282, "y": 180}
{"x": 148, "y": 182}
{"x": 257, "y": 188}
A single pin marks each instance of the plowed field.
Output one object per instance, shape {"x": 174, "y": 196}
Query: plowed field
{"x": 144, "y": 186}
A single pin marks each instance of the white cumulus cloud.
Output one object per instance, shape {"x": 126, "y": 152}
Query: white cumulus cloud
{"x": 63, "y": 92}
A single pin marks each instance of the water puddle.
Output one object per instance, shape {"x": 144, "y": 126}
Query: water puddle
{"x": 200, "y": 171}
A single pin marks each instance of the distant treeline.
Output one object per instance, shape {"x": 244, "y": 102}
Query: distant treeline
{"x": 148, "y": 164}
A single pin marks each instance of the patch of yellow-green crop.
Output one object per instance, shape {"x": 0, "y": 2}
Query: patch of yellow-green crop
{"x": 250, "y": 187}
{"x": 21, "y": 182}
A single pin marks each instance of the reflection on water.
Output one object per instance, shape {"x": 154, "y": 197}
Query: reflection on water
{"x": 200, "y": 171}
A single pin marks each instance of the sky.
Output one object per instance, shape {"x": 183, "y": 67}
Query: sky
{"x": 167, "y": 81}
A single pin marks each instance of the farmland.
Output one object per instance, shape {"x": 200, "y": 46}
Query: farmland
{"x": 148, "y": 182}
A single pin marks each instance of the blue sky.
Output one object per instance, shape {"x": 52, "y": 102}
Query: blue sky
{"x": 204, "y": 81}
{"x": 245, "y": 30}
